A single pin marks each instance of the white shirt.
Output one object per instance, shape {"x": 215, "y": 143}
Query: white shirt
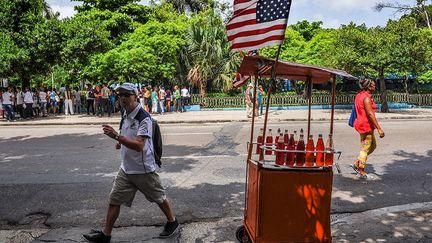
{"x": 7, "y": 98}
{"x": 185, "y": 93}
{"x": 162, "y": 94}
{"x": 134, "y": 162}
{"x": 19, "y": 96}
{"x": 28, "y": 97}
{"x": 42, "y": 96}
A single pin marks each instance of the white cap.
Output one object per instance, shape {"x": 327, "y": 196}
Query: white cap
{"x": 128, "y": 87}
{"x": 250, "y": 85}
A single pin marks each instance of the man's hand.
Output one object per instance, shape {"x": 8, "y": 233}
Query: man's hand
{"x": 109, "y": 131}
{"x": 381, "y": 133}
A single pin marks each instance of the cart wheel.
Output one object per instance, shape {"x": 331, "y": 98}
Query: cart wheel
{"x": 242, "y": 236}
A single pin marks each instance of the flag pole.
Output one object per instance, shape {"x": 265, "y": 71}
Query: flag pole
{"x": 272, "y": 81}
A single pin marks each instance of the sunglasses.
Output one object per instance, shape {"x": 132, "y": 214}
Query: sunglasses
{"x": 127, "y": 95}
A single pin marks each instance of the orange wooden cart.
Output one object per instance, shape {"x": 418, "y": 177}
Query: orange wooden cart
{"x": 283, "y": 203}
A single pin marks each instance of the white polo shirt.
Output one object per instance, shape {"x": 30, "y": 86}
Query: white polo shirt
{"x": 134, "y": 162}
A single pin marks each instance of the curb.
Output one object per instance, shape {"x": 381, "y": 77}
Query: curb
{"x": 14, "y": 124}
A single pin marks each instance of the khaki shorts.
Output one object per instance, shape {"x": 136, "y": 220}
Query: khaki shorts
{"x": 125, "y": 187}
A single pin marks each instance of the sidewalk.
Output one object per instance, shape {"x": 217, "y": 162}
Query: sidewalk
{"x": 221, "y": 116}
{"x": 404, "y": 223}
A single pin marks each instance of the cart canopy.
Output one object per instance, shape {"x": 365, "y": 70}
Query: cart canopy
{"x": 261, "y": 66}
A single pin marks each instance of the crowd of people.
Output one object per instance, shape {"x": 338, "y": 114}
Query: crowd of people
{"x": 95, "y": 100}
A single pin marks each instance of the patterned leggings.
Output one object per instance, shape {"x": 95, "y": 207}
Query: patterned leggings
{"x": 367, "y": 146}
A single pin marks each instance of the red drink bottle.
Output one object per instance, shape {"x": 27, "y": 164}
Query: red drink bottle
{"x": 300, "y": 154}
{"x": 280, "y": 146}
{"x": 309, "y": 162}
{"x": 320, "y": 151}
{"x": 260, "y": 141}
{"x": 295, "y": 138}
{"x": 286, "y": 137}
{"x": 276, "y": 138}
{"x": 290, "y": 158}
{"x": 329, "y": 149}
{"x": 269, "y": 143}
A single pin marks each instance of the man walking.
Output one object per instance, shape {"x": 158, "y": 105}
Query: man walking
{"x": 137, "y": 170}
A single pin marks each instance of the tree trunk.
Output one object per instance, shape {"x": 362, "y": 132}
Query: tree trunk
{"x": 25, "y": 81}
{"x": 383, "y": 89}
{"x": 427, "y": 16}
{"x": 406, "y": 84}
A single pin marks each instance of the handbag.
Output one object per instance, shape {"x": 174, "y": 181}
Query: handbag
{"x": 353, "y": 117}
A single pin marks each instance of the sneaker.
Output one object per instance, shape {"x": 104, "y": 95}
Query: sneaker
{"x": 355, "y": 168}
{"x": 363, "y": 175}
{"x": 97, "y": 236}
{"x": 170, "y": 229}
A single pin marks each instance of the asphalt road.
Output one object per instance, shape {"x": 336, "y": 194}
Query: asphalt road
{"x": 60, "y": 176}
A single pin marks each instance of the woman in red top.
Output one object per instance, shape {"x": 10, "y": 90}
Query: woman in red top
{"x": 365, "y": 124}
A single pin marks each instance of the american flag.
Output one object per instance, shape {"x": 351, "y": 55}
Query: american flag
{"x": 257, "y": 23}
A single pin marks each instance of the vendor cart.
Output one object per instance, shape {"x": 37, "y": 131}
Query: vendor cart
{"x": 287, "y": 203}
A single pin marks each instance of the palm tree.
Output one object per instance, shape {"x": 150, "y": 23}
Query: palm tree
{"x": 182, "y": 6}
{"x": 421, "y": 9}
{"x": 47, "y": 10}
{"x": 207, "y": 55}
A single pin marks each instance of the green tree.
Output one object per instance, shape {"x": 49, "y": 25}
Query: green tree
{"x": 306, "y": 29}
{"x": 413, "y": 50}
{"x": 149, "y": 55}
{"x": 112, "y": 5}
{"x": 36, "y": 40}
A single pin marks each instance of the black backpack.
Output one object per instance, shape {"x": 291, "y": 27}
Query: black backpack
{"x": 156, "y": 134}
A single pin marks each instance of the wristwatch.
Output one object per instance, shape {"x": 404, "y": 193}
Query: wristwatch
{"x": 117, "y": 137}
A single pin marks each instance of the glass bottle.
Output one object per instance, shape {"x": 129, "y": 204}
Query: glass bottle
{"x": 329, "y": 151}
{"x": 310, "y": 155}
{"x": 300, "y": 154}
{"x": 320, "y": 151}
{"x": 269, "y": 143}
{"x": 280, "y": 146}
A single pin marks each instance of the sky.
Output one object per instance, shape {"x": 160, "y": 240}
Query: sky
{"x": 332, "y": 13}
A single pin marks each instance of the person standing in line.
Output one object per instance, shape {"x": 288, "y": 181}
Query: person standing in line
{"x": 365, "y": 124}
{"x": 178, "y": 102}
{"x": 43, "y": 101}
{"x": 1, "y": 103}
{"x": 61, "y": 102}
{"x": 54, "y": 99}
{"x": 112, "y": 101}
{"x": 68, "y": 101}
{"x": 90, "y": 98}
{"x": 19, "y": 100}
{"x": 154, "y": 98}
{"x": 104, "y": 99}
{"x": 248, "y": 100}
{"x": 7, "y": 100}
{"x": 77, "y": 101}
{"x": 147, "y": 95}
{"x": 162, "y": 95}
{"x": 28, "y": 101}
{"x": 36, "y": 103}
{"x": 141, "y": 97}
{"x": 138, "y": 167}
{"x": 260, "y": 96}
{"x": 168, "y": 100}
{"x": 185, "y": 96}
{"x": 98, "y": 100}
